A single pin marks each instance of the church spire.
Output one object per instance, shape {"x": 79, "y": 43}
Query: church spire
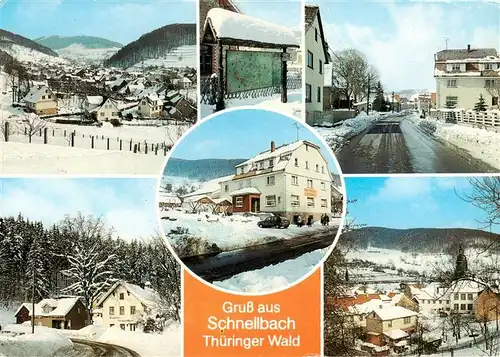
{"x": 461, "y": 268}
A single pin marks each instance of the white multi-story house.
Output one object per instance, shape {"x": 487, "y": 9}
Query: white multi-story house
{"x": 291, "y": 180}
{"x": 125, "y": 304}
{"x": 316, "y": 56}
{"x": 150, "y": 106}
{"x": 462, "y": 75}
{"x": 41, "y": 100}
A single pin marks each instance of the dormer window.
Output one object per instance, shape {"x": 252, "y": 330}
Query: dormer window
{"x": 297, "y": 162}
{"x": 455, "y": 67}
{"x": 261, "y": 165}
{"x": 271, "y": 163}
{"x": 488, "y": 66}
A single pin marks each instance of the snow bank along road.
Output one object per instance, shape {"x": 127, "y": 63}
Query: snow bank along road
{"x": 82, "y": 348}
{"x": 395, "y": 145}
{"x": 225, "y": 265}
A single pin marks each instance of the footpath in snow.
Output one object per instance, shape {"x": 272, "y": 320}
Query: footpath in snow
{"x": 481, "y": 143}
{"x": 339, "y": 135}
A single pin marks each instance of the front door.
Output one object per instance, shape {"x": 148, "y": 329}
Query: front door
{"x": 255, "y": 204}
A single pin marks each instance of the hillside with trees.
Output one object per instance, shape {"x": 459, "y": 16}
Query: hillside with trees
{"x": 26, "y": 42}
{"x": 154, "y": 44}
{"x": 58, "y": 42}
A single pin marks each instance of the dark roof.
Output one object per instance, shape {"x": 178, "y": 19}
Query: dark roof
{"x": 311, "y": 12}
{"x": 459, "y": 54}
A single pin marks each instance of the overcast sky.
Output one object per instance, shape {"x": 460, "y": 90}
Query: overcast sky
{"x": 400, "y": 38}
{"x": 127, "y": 205}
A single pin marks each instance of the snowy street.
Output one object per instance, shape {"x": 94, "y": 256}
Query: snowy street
{"x": 396, "y": 145}
{"x": 82, "y": 348}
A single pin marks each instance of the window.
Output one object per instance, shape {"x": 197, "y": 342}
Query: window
{"x": 78, "y": 311}
{"x": 324, "y": 203}
{"x": 43, "y": 97}
{"x": 494, "y": 100}
{"x": 389, "y": 323}
{"x": 489, "y": 83}
{"x": 295, "y": 202}
{"x": 316, "y": 34}
{"x": 307, "y": 147}
{"x": 440, "y": 302}
{"x": 455, "y": 67}
{"x": 455, "y": 306}
{"x": 122, "y": 296}
{"x": 270, "y": 180}
{"x": 279, "y": 199}
{"x": 317, "y": 168}
{"x": 122, "y": 326}
{"x": 297, "y": 162}
{"x": 462, "y": 296}
{"x": 447, "y": 301}
{"x": 322, "y": 169}
{"x": 319, "y": 95}
{"x": 271, "y": 201}
{"x": 307, "y": 165}
{"x": 239, "y": 201}
{"x": 310, "y": 201}
{"x": 309, "y": 183}
{"x": 102, "y": 114}
{"x": 469, "y": 297}
{"x": 271, "y": 163}
{"x": 488, "y": 66}
{"x": 320, "y": 67}
{"x": 49, "y": 97}
{"x": 310, "y": 60}
{"x": 295, "y": 180}
{"x": 132, "y": 310}
{"x": 122, "y": 310}
{"x": 132, "y": 327}
{"x": 406, "y": 320}
{"x": 462, "y": 306}
{"x": 261, "y": 165}
{"x": 308, "y": 93}
{"x": 111, "y": 310}
{"x": 226, "y": 188}
{"x": 452, "y": 100}
{"x": 323, "y": 186}
{"x": 451, "y": 83}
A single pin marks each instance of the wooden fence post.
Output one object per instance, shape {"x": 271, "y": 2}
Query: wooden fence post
{"x": 107, "y": 144}
{"x": 45, "y": 130}
{"x": 92, "y": 142}
{"x": 64, "y": 133}
{"x": 130, "y": 144}
{"x": 40, "y": 132}
{"x": 73, "y": 139}
{"x": 165, "y": 151}
{"x": 120, "y": 144}
{"x": 6, "y": 132}
{"x": 138, "y": 147}
{"x": 145, "y": 149}
{"x": 53, "y": 133}
{"x": 135, "y": 148}
{"x": 156, "y": 149}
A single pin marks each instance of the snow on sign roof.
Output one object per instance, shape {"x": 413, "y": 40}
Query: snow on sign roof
{"x": 246, "y": 191}
{"x": 230, "y": 25}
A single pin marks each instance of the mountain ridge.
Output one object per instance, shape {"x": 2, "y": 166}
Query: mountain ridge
{"x": 26, "y": 42}
{"x": 56, "y": 42}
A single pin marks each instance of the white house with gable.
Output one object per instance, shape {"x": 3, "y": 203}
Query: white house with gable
{"x": 291, "y": 180}
{"x": 41, "y": 100}
{"x": 316, "y": 56}
{"x": 125, "y": 304}
{"x": 150, "y": 106}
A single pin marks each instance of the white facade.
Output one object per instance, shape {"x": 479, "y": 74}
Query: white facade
{"x": 108, "y": 110}
{"x": 314, "y": 58}
{"x": 464, "y": 91}
{"x": 41, "y": 100}
{"x": 293, "y": 178}
{"x": 150, "y": 106}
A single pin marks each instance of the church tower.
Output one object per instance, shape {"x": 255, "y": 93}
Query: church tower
{"x": 461, "y": 268}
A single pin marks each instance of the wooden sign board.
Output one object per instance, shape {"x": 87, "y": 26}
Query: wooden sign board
{"x": 311, "y": 192}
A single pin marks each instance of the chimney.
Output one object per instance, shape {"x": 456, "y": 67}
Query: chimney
{"x": 273, "y": 146}
{"x": 468, "y": 48}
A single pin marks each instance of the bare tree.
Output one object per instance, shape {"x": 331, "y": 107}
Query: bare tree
{"x": 7, "y": 129}
{"x": 485, "y": 195}
{"x": 33, "y": 124}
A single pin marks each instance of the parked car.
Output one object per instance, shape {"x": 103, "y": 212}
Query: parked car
{"x": 273, "y": 221}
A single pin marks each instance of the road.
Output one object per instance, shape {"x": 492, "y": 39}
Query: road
{"x": 396, "y": 145}
{"x": 225, "y": 265}
{"x": 84, "y": 348}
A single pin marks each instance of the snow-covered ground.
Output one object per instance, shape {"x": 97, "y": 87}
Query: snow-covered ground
{"x": 18, "y": 341}
{"x": 274, "y": 277}
{"x": 230, "y": 232}
{"x": 183, "y": 56}
{"x": 82, "y": 54}
{"x": 7, "y": 315}
{"x": 294, "y": 106}
{"x": 481, "y": 143}
{"x": 338, "y": 136}
{"x": 20, "y": 158}
{"x": 24, "y": 54}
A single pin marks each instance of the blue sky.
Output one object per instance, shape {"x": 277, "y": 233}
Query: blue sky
{"x": 242, "y": 134}
{"x": 286, "y": 13}
{"x": 121, "y": 21}
{"x": 412, "y": 202}
{"x": 128, "y": 205}
{"x": 400, "y": 38}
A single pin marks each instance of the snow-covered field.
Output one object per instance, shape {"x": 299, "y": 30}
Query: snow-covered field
{"x": 274, "y": 277}
{"x": 19, "y": 158}
{"x": 231, "y": 232}
{"x": 294, "y": 106}
{"x": 481, "y": 143}
{"x": 7, "y": 316}
{"x": 18, "y": 341}
{"x": 24, "y": 54}
{"x": 339, "y": 135}
{"x": 183, "y": 56}
{"x": 81, "y": 54}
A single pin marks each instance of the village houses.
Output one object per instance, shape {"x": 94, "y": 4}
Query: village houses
{"x": 150, "y": 106}
{"x": 125, "y": 304}
{"x": 462, "y": 75}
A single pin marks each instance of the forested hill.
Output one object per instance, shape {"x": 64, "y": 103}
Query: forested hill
{"x": 26, "y": 42}
{"x": 154, "y": 44}
{"x": 58, "y": 42}
{"x": 201, "y": 170}
{"x": 432, "y": 240}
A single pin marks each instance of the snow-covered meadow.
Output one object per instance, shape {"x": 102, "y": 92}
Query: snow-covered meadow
{"x": 274, "y": 277}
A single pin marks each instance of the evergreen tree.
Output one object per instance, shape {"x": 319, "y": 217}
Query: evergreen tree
{"x": 480, "y": 105}
{"x": 379, "y": 102}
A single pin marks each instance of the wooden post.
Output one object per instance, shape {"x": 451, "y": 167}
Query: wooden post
{"x": 156, "y": 149}
{"x": 146, "y": 149}
{"x": 53, "y": 133}
{"x": 92, "y": 142}
{"x": 284, "y": 94}
{"x": 219, "y": 105}
{"x": 40, "y": 132}
{"x": 165, "y": 151}
{"x": 107, "y": 144}
{"x": 130, "y": 144}
{"x": 139, "y": 147}
{"x": 25, "y": 131}
{"x": 135, "y": 148}
{"x": 120, "y": 144}
{"x": 73, "y": 139}
{"x": 64, "y": 133}
{"x": 6, "y": 133}
{"x": 45, "y": 130}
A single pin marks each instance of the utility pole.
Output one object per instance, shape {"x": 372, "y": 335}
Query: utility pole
{"x": 392, "y": 101}
{"x": 33, "y": 303}
{"x": 296, "y": 125}
{"x": 368, "y": 96}
{"x": 446, "y": 39}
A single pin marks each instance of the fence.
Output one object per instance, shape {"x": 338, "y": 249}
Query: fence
{"x": 209, "y": 88}
{"x": 490, "y": 118}
{"x": 71, "y": 138}
{"x": 318, "y": 118}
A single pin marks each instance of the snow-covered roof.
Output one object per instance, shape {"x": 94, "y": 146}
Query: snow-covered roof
{"x": 209, "y": 187}
{"x": 393, "y": 312}
{"x": 36, "y": 93}
{"x": 246, "y": 191}
{"x": 197, "y": 198}
{"x": 396, "y": 334}
{"x": 231, "y": 25}
{"x": 146, "y": 296}
{"x": 59, "y": 307}
{"x": 268, "y": 154}
{"x": 95, "y": 99}
{"x": 169, "y": 197}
